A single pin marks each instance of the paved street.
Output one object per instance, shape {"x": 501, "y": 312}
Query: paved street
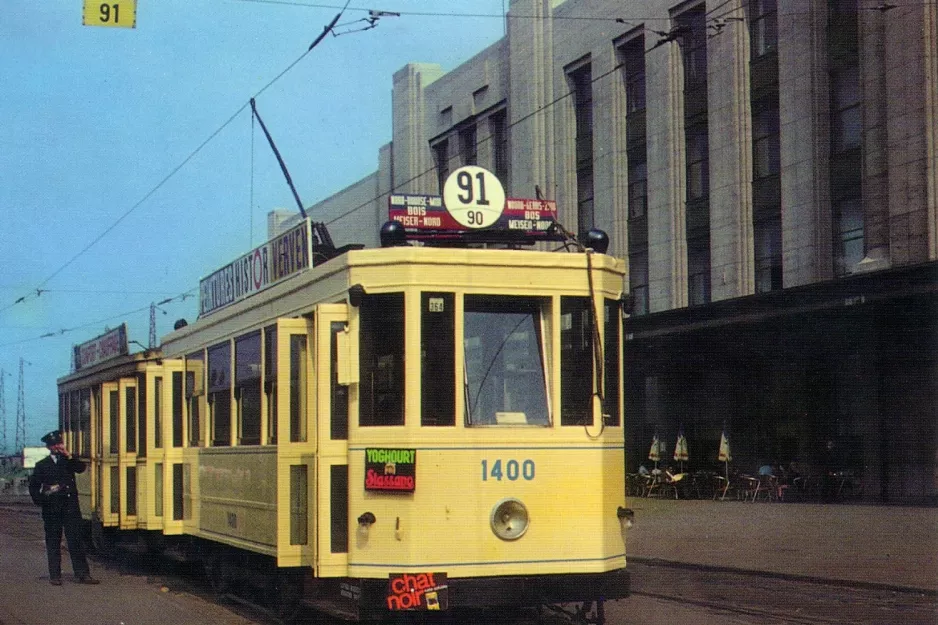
{"x": 692, "y": 562}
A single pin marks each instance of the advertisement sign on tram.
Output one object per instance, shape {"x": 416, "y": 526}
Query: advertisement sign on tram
{"x": 109, "y": 345}
{"x": 280, "y": 258}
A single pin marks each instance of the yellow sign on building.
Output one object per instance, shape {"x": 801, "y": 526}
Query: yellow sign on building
{"x": 120, "y": 13}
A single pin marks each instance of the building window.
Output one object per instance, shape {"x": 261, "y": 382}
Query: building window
{"x": 581, "y": 82}
{"x": 632, "y": 55}
{"x": 698, "y": 161}
{"x": 441, "y": 160}
{"x": 498, "y": 128}
{"x": 768, "y": 253}
{"x": 693, "y": 23}
{"x": 766, "y": 153}
{"x": 849, "y": 244}
{"x": 846, "y": 124}
{"x": 638, "y": 281}
{"x": 248, "y": 388}
{"x": 219, "y": 393}
{"x": 846, "y": 113}
{"x": 698, "y": 270}
{"x": 763, "y": 27}
{"x": 468, "y": 149}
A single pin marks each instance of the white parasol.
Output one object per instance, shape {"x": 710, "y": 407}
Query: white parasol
{"x": 655, "y": 452}
{"x": 680, "y": 449}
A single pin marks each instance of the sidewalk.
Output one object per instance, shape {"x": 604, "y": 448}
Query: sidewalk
{"x": 887, "y": 546}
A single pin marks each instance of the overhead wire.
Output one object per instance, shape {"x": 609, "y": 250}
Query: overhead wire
{"x": 38, "y": 290}
{"x": 180, "y": 297}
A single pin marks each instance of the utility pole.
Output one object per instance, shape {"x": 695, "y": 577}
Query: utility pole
{"x": 20, "y": 414}
{"x": 152, "y": 325}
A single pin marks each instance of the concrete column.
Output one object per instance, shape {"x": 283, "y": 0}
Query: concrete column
{"x": 667, "y": 228}
{"x": 410, "y": 150}
{"x": 805, "y": 145}
{"x": 732, "y": 270}
{"x": 530, "y": 45}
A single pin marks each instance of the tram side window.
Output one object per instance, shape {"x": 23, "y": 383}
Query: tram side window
{"x": 298, "y": 378}
{"x": 177, "y": 391}
{"x": 381, "y": 363}
{"x": 248, "y": 388}
{"x": 114, "y": 402}
{"x": 142, "y": 414}
{"x": 63, "y": 410}
{"x": 576, "y": 361}
{"x": 158, "y": 412}
{"x": 74, "y": 413}
{"x": 219, "y": 393}
{"x": 270, "y": 381}
{"x": 195, "y": 389}
{"x": 84, "y": 424}
{"x": 504, "y": 358}
{"x": 130, "y": 413}
{"x": 338, "y": 424}
{"x": 437, "y": 359}
{"x": 611, "y": 364}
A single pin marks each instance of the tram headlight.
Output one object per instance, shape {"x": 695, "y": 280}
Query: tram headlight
{"x": 509, "y": 519}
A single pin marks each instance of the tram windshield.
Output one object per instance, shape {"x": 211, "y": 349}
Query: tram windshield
{"x": 504, "y": 355}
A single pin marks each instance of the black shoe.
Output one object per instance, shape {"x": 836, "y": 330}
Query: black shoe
{"x": 55, "y": 581}
{"x": 87, "y": 579}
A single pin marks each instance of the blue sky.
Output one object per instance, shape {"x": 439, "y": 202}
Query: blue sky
{"x": 92, "y": 120}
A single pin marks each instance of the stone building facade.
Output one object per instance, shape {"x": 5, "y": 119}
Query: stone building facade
{"x": 769, "y": 171}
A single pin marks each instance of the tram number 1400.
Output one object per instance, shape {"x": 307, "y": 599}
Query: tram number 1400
{"x": 511, "y": 470}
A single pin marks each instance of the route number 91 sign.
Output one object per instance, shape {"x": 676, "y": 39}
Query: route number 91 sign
{"x": 119, "y": 13}
{"x": 474, "y": 197}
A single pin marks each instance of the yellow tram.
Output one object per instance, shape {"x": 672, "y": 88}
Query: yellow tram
{"x": 412, "y": 427}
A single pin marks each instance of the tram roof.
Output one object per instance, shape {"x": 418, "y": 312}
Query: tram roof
{"x": 394, "y": 268}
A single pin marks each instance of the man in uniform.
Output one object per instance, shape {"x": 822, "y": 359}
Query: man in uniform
{"x": 52, "y": 486}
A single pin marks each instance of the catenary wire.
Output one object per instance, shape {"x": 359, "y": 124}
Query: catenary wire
{"x": 38, "y": 289}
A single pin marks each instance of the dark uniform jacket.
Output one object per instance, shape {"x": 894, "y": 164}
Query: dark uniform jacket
{"x": 54, "y": 481}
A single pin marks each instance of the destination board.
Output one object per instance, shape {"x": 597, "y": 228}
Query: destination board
{"x": 425, "y": 217}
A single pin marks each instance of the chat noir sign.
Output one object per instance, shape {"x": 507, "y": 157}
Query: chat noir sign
{"x": 418, "y": 591}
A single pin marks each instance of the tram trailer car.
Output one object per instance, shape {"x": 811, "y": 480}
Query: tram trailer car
{"x": 403, "y": 428}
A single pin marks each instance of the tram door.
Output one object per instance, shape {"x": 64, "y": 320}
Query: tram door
{"x": 127, "y": 453}
{"x": 293, "y": 370}
{"x": 107, "y": 468}
{"x": 333, "y": 365}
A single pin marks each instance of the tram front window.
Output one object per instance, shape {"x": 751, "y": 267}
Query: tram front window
{"x": 503, "y": 348}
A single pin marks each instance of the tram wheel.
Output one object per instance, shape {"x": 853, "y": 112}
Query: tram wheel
{"x": 284, "y": 593}
{"x": 218, "y": 570}
{"x": 102, "y": 540}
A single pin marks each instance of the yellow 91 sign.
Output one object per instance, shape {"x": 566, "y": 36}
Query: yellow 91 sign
{"x": 119, "y": 13}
